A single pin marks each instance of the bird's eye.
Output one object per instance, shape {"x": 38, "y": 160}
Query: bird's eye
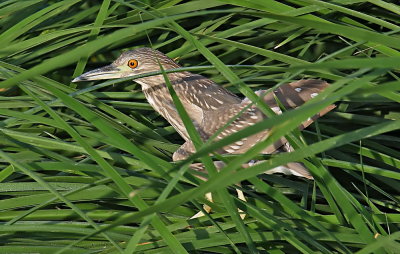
{"x": 133, "y": 63}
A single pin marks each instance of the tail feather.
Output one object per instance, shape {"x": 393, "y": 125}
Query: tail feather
{"x": 292, "y": 168}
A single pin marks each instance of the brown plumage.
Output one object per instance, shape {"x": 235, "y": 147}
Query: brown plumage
{"x": 209, "y": 105}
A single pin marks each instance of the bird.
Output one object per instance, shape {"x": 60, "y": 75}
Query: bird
{"x": 209, "y": 105}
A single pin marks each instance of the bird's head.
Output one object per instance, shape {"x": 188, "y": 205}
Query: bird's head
{"x": 130, "y": 63}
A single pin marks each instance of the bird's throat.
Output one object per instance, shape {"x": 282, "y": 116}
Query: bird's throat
{"x": 160, "y": 99}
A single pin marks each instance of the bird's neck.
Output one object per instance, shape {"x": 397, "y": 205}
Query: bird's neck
{"x": 156, "y": 91}
{"x": 158, "y": 96}
{"x": 197, "y": 94}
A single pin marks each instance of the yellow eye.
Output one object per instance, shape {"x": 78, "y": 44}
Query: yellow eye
{"x": 133, "y": 63}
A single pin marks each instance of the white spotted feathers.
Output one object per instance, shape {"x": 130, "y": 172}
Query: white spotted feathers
{"x": 214, "y": 111}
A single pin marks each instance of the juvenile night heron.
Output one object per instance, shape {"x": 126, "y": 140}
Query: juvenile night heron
{"x": 209, "y": 105}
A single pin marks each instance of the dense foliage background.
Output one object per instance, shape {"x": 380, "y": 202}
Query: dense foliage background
{"x": 86, "y": 168}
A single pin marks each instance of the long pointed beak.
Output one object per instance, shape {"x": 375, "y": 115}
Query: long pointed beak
{"x": 106, "y": 72}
